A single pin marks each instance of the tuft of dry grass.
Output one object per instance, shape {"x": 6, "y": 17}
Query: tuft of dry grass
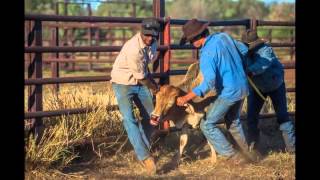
{"x": 56, "y": 146}
{"x": 57, "y": 149}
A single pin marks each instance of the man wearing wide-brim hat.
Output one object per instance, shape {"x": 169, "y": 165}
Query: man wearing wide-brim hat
{"x": 267, "y": 74}
{"x": 223, "y": 72}
{"x": 131, "y": 83}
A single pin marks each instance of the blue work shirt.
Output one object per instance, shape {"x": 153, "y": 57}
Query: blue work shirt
{"x": 268, "y": 73}
{"x": 222, "y": 67}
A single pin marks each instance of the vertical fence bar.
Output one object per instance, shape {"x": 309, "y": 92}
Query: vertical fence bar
{"x": 35, "y": 99}
{"x": 97, "y": 35}
{"x": 270, "y": 35}
{"x": 134, "y": 8}
{"x": 89, "y": 36}
{"x": 30, "y": 66}
{"x": 292, "y": 50}
{"x": 55, "y": 65}
{"x": 167, "y": 53}
{"x": 159, "y": 12}
{"x": 253, "y": 23}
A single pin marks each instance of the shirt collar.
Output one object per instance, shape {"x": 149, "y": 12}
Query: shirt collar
{"x": 141, "y": 43}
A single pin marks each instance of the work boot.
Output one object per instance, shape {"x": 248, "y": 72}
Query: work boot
{"x": 150, "y": 165}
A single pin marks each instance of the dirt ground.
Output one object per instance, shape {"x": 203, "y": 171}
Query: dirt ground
{"x": 195, "y": 164}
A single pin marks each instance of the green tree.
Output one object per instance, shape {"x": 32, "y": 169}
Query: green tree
{"x": 282, "y": 11}
{"x": 39, "y": 6}
{"x": 250, "y": 9}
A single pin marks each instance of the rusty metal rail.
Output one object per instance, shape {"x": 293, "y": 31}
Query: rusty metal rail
{"x": 43, "y": 17}
{"x": 39, "y": 114}
{"x": 38, "y": 49}
{"x": 165, "y": 48}
{"x": 240, "y": 22}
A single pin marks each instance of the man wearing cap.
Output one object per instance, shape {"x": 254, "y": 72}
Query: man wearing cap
{"x": 222, "y": 68}
{"x": 267, "y": 74}
{"x": 132, "y": 82}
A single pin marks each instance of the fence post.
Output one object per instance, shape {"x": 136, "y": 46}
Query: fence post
{"x": 167, "y": 53}
{"x": 35, "y": 71}
{"x": 253, "y": 23}
{"x": 159, "y": 12}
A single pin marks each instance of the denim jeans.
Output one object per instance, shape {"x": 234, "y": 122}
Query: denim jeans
{"x": 218, "y": 110}
{"x": 279, "y": 101}
{"x": 138, "y": 132}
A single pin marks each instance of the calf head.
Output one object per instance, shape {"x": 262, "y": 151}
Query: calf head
{"x": 166, "y": 107}
{"x": 165, "y": 100}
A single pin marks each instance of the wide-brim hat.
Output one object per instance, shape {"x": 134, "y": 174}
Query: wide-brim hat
{"x": 151, "y": 32}
{"x": 251, "y": 38}
{"x": 150, "y": 26}
{"x": 192, "y": 29}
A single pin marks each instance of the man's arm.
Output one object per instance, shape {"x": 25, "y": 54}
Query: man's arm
{"x": 243, "y": 49}
{"x": 150, "y": 83}
{"x": 208, "y": 70}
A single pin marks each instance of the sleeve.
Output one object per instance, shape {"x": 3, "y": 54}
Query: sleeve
{"x": 263, "y": 59}
{"x": 208, "y": 70}
{"x": 243, "y": 49}
{"x": 136, "y": 63}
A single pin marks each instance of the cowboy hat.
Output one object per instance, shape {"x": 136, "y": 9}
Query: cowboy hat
{"x": 192, "y": 29}
{"x": 150, "y": 26}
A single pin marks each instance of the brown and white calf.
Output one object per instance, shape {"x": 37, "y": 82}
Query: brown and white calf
{"x": 180, "y": 116}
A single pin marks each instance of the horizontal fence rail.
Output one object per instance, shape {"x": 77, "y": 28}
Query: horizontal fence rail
{"x": 36, "y": 49}
{"x": 122, "y": 20}
{"x": 38, "y": 114}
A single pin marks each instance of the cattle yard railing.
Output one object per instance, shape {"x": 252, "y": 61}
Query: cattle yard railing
{"x": 35, "y": 51}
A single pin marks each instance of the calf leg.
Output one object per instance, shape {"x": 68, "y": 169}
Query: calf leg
{"x": 183, "y": 142}
{"x": 213, "y": 154}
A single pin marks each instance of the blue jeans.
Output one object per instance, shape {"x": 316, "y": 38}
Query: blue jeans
{"x": 138, "y": 132}
{"x": 218, "y": 110}
{"x": 279, "y": 102}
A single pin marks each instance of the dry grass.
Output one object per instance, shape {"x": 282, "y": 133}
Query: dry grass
{"x": 57, "y": 144}
{"x": 56, "y": 152}
{"x": 125, "y": 166}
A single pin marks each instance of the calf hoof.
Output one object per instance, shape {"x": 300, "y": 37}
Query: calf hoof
{"x": 213, "y": 159}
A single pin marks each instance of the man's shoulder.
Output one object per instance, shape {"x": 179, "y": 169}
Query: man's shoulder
{"x": 132, "y": 43}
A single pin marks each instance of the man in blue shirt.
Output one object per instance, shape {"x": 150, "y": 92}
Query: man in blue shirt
{"x": 222, "y": 68}
{"x": 267, "y": 73}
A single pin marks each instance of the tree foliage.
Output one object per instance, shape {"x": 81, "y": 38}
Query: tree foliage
{"x": 182, "y": 9}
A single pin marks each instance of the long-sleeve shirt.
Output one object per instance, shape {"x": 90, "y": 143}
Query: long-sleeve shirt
{"x": 131, "y": 63}
{"x": 268, "y": 73}
{"x": 221, "y": 65}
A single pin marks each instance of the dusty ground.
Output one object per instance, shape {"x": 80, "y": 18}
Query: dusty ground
{"x": 195, "y": 165}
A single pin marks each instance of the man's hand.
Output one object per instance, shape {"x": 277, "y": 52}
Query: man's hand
{"x": 150, "y": 83}
{"x": 184, "y": 99}
{"x": 154, "y": 90}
